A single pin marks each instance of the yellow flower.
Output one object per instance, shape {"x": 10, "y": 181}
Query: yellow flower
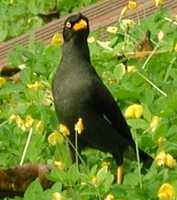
{"x": 91, "y": 39}
{"x": 22, "y": 66}
{"x": 130, "y": 23}
{"x": 134, "y": 111}
{"x": 64, "y": 130}
{"x": 175, "y": 47}
{"x": 160, "y": 159}
{"x": 94, "y": 181}
{"x": 104, "y": 45}
{"x": 109, "y": 197}
{"x": 11, "y": 2}
{"x": 83, "y": 183}
{"x": 12, "y": 118}
{"x": 79, "y": 126}
{"x": 23, "y": 124}
{"x": 163, "y": 159}
{"x": 160, "y": 35}
{"x": 2, "y": 81}
{"x": 20, "y": 123}
{"x": 39, "y": 125}
{"x": 131, "y": 69}
{"x": 35, "y": 86}
{"x": 18, "y": 120}
{"x": 161, "y": 141}
{"x": 155, "y": 123}
{"x": 55, "y": 138}
{"x": 166, "y": 192}
{"x": 127, "y": 23}
{"x": 158, "y": 2}
{"x": 112, "y": 29}
{"x": 132, "y": 4}
{"x": 170, "y": 161}
{"x": 28, "y": 121}
{"x": 59, "y": 165}
{"x": 57, "y": 39}
{"x": 48, "y": 98}
{"x": 57, "y": 196}
{"x": 31, "y": 19}
{"x": 105, "y": 164}
{"x": 124, "y": 11}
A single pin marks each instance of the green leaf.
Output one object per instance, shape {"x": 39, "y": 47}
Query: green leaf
{"x": 57, "y": 187}
{"x": 62, "y": 152}
{"x": 147, "y": 113}
{"x": 34, "y": 191}
{"x": 25, "y": 76}
{"x": 73, "y": 174}
{"x": 123, "y": 94}
{"x": 104, "y": 179}
{"x": 33, "y": 7}
{"x": 138, "y": 123}
{"x": 146, "y": 142}
{"x": 119, "y": 71}
{"x": 3, "y": 31}
{"x": 58, "y": 176}
{"x": 131, "y": 179}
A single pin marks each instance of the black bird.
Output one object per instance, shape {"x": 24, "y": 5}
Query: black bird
{"x": 79, "y": 92}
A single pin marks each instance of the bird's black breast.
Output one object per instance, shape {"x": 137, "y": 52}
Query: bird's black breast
{"x": 72, "y": 93}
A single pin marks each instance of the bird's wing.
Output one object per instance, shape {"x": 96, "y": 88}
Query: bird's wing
{"x": 106, "y": 105}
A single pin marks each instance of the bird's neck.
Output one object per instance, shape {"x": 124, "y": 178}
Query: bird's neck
{"x": 76, "y": 49}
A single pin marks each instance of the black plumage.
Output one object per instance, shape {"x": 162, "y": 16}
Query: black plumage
{"x": 80, "y": 93}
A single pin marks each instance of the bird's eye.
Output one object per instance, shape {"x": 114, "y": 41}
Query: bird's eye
{"x": 68, "y": 24}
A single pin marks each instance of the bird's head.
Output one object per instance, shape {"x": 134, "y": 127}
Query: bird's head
{"x": 76, "y": 27}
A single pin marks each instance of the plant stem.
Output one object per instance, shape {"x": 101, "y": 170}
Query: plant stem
{"x": 138, "y": 160}
{"x": 26, "y": 146}
{"x": 3, "y": 123}
{"x": 152, "y": 84}
{"x": 134, "y": 53}
{"x": 76, "y": 148}
{"x": 73, "y": 147}
{"x": 172, "y": 144}
{"x": 170, "y": 20}
{"x": 169, "y": 69}
{"x": 150, "y": 56}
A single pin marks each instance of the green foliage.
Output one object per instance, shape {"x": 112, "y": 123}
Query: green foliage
{"x": 69, "y": 6}
{"x": 19, "y": 16}
{"x": 93, "y": 178}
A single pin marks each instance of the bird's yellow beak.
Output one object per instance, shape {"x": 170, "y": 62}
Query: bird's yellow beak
{"x": 80, "y": 25}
